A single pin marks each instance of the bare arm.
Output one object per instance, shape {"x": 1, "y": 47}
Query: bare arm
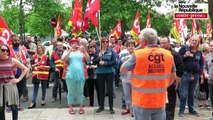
{"x": 22, "y": 67}
{"x": 172, "y": 78}
{"x": 123, "y": 70}
{"x": 66, "y": 56}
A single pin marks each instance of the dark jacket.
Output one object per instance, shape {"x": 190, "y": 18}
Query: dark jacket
{"x": 193, "y": 64}
{"x": 178, "y": 63}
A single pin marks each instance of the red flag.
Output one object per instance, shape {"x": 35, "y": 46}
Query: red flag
{"x": 94, "y": 6}
{"x": 76, "y": 18}
{"x": 194, "y": 28}
{"x": 208, "y": 29}
{"x": 58, "y": 31}
{"x": 94, "y": 19}
{"x": 200, "y": 32}
{"x": 148, "y": 21}
{"x": 117, "y": 30}
{"x": 94, "y": 9}
{"x": 93, "y": 16}
{"x": 5, "y": 33}
{"x": 86, "y": 17}
{"x": 136, "y": 26}
{"x": 74, "y": 14}
{"x": 111, "y": 34}
{"x": 175, "y": 33}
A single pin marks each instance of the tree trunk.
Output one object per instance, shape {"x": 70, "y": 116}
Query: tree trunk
{"x": 210, "y": 2}
{"x": 21, "y": 19}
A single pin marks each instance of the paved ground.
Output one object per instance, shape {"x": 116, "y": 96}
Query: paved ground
{"x": 62, "y": 114}
{"x": 59, "y": 111}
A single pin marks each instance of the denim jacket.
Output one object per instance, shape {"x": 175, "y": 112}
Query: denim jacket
{"x": 109, "y": 59}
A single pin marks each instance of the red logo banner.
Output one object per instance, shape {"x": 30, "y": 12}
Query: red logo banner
{"x": 5, "y": 33}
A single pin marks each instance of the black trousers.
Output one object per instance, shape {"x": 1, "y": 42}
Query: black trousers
{"x": 14, "y": 109}
{"x": 170, "y": 107}
{"x": 22, "y": 87}
{"x": 86, "y": 89}
{"x": 108, "y": 79}
{"x": 92, "y": 85}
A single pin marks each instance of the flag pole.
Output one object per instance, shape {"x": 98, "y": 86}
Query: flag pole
{"x": 99, "y": 22}
{"x": 99, "y": 27}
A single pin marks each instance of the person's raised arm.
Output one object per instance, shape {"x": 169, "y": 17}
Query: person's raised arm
{"x": 66, "y": 55}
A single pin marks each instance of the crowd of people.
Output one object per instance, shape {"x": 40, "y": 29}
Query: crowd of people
{"x": 151, "y": 72}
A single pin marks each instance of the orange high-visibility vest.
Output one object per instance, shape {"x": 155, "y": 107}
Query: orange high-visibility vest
{"x": 151, "y": 76}
{"x": 65, "y": 70}
{"x": 22, "y": 52}
{"x": 57, "y": 60}
{"x": 42, "y": 74}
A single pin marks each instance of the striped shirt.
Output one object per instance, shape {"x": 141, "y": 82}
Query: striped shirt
{"x": 6, "y": 70}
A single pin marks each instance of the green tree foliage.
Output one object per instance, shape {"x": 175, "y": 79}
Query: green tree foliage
{"x": 38, "y": 23}
{"x": 36, "y": 20}
{"x": 125, "y": 10}
{"x": 11, "y": 17}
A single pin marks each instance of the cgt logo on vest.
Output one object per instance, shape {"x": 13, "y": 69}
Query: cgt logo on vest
{"x": 156, "y": 58}
{"x": 156, "y": 66}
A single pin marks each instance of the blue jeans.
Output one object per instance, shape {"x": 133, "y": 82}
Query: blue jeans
{"x": 35, "y": 90}
{"x": 149, "y": 113}
{"x": 127, "y": 88}
{"x": 187, "y": 89}
{"x": 123, "y": 97}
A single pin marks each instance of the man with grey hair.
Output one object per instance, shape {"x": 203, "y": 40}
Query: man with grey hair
{"x": 153, "y": 70}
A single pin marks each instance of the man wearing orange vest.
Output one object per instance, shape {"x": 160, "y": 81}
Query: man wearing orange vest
{"x": 57, "y": 65}
{"x": 20, "y": 53}
{"x": 153, "y": 70}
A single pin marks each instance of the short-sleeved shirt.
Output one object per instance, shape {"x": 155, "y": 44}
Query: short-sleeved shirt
{"x": 32, "y": 46}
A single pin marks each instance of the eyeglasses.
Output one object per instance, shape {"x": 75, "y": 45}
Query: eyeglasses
{"x": 4, "y": 50}
{"x": 104, "y": 41}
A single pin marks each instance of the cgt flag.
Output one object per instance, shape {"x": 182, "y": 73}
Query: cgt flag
{"x": 194, "y": 28}
{"x": 5, "y": 33}
{"x": 94, "y": 9}
{"x": 117, "y": 30}
{"x": 94, "y": 6}
{"x": 208, "y": 30}
{"x": 58, "y": 31}
{"x": 148, "y": 21}
{"x": 136, "y": 26}
{"x": 76, "y": 18}
{"x": 175, "y": 33}
{"x": 86, "y": 17}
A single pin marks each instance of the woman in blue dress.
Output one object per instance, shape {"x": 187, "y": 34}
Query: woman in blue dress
{"x": 75, "y": 74}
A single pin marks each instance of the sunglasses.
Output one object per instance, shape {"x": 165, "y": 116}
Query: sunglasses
{"x": 92, "y": 47}
{"x": 104, "y": 41}
{"x": 4, "y": 50}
